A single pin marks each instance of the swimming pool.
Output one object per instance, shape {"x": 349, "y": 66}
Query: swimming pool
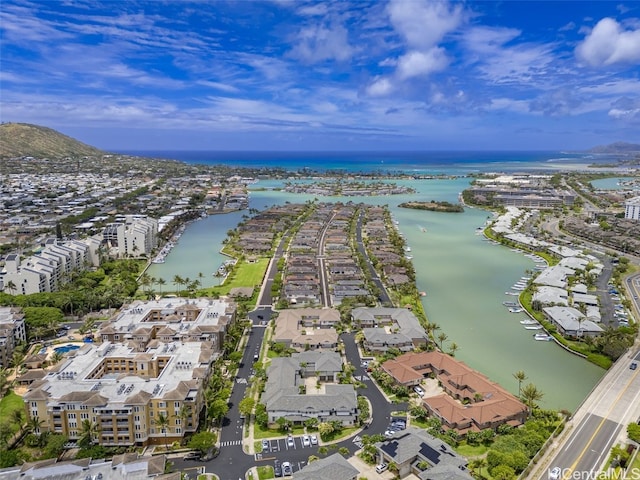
{"x": 66, "y": 348}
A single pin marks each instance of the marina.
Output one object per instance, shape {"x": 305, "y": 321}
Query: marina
{"x": 451, "y": 263}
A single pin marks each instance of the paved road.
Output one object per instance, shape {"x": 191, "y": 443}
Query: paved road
{"x": 383, "y": 296}
{"x": 614, "y": 404}
{"x": 232, "y": 463}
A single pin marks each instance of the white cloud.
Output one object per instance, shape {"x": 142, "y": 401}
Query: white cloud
{"x": 380, "y": 87}
{"x": 424, "y": 23}
{"x": 500, "y": 60}
{"x": 318, "y": 43}
{"x": 608, "y": 44}
{"x": 414, "y": 63}
{"x": 624, "y": 114}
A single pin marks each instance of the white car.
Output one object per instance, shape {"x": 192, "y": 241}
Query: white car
{"x": 306, "y": 441}
{"x": 555, "y": 473}
{"x": 381, "y": 467}
{"x": 314, "y": 440}
{"x": 418, "y": 390}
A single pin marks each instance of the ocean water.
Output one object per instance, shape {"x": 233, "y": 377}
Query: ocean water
{"x": 425, "y": 163}
{"x": 463, "y": 275}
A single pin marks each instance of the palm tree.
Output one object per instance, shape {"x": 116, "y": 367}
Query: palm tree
{"x": 442, "y": 337}
{"x": 11, "y": 286}
{"x": 531, "y": 394}
{"x": 17, "y": 416}
{"x": 185, "y": 414}
{"x": 55, "y": 358}
{"x": 162, "y": 422}
{"x": 88, "y": 433}
{"x": 453, "y": 348}
{"x": 161, "y": 282}
{"x": 178, "y": 281}
{"x": 521, "y": 377}
{"x": 34, "y": 424}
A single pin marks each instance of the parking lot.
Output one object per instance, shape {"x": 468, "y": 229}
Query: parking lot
{"x": 289, "y": 443}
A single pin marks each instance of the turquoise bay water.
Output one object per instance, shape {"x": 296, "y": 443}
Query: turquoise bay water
{"x": 610, "y": 183}
{"x": 464, "y": 276}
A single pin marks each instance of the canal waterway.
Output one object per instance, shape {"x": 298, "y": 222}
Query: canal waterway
{"x": 463, "y": 275}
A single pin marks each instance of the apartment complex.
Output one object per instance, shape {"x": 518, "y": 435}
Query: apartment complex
{"x": 171, "y": 319}
{"x": 288, "y": 394}
{"x": 385, "y": 328}
{"x": 632, "y": 209}
{"x": 12, "y": 333}
{"x": 470, "y": 400}
{"x": 131, "y": 236}
{"x": 51, "y": 266}
{"x": 132, "y": 397}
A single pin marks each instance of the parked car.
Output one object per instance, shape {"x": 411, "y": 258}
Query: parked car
{"x": 381, "y": 467}
{"x": 633, "y": 365}
{"x": 314, "y": 440}
{"x": 290, "y": 442}
{"x": 306, "y": 441}
{"x": 277, "y": 469}
{"x": 418, "y": 390}
{"x": 286, "y": 469}
{"x": 265, "y": 444}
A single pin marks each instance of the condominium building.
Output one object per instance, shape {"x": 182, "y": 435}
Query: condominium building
{"x": 46, "y": 270}
{"x": 12, "y": 333}
{"x": 632, "y": 209}
{"x": 171, "y": 319}
{"x": 131, "y": 236}
{"x": 132, "y": 397}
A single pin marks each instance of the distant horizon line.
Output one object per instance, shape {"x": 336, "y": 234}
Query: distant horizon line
{"x": 351, "y": 151}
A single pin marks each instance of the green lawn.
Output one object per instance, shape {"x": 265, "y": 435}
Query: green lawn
{"x": 471, "y": 451}
{"x": 265, "y": 472}
{"x": 245, "y": 275}
{"x": 10, "y": 403}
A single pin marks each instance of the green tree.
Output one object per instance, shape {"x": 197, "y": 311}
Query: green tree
{"x": 162, "y": 422}
{"x": 633, "y": 432}
{"x": 246, "y": 405}
{"x": 202, "y": 441}
{"x": 531, "y": 395}
{"x": 520, "y": 376}
{"x": 88, "y": 433}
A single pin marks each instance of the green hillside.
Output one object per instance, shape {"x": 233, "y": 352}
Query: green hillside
{"x": 26, "y": 140}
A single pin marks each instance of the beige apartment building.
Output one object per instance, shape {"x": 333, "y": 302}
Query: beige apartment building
{"x": 125, "y": 393}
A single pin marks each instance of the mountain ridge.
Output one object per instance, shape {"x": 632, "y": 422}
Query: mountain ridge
{"x": 28, "y": 140}
{"x": 616, "y": 147}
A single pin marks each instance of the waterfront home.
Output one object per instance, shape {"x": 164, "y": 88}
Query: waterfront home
{"x": 415, "y": 452}
{"x": 571, "y": 322}
{"x": 401, "y": 330}
{"x": 555, "y": 276}
{"x": 470, "y": 400}
{"x": 332, "y": 467}
{"x": 547, "y": 295}
{"x": 288, "y": 394}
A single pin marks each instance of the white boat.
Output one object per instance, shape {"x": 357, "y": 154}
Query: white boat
{"x": 518, "y": 287}
{"x": 533, "y": 327}
{"x": 512, "y": 293}
{"x": 510, "y": 304}
{"x": 516, "y": 310}
{"x": 407, "y": 249}
{"x": 542, "y": 337}
{"x": 408, "y": 257}
{"x": 528, "y": 322}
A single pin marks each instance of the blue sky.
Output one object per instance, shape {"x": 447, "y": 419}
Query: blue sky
{"x": 297, "y": 75}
